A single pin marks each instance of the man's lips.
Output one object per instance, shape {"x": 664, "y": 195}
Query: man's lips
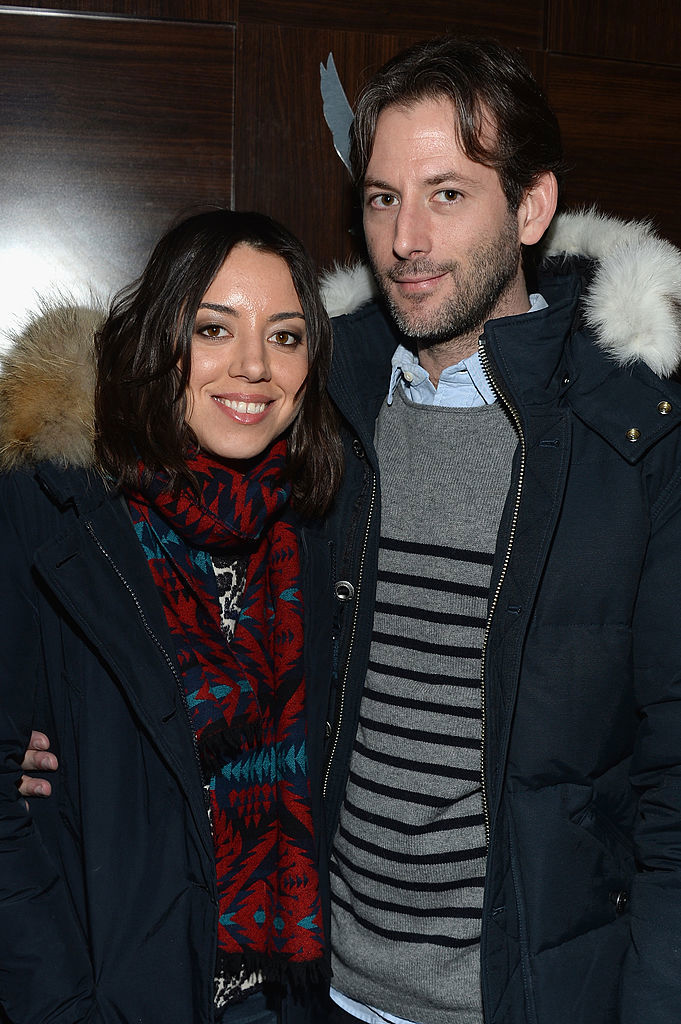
{"x": 244, "y": 408}
{"x": 419, "y": 282}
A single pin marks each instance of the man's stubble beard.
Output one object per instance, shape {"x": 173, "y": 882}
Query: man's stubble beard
{"x": 475, "y": 291}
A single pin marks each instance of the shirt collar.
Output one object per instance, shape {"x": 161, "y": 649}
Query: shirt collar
{"x": 407, "y": 370}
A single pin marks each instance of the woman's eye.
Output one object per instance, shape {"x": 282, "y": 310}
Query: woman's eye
{"x": 212, "y": 331}
{"x": 285, "y": 338}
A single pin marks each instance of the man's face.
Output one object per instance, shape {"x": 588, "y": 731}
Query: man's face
{"x": 443, "y": 243}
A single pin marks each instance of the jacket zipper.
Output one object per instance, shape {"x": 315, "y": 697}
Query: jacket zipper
{"x": 352, "y": 637}
{"x": 511, "y": 537}
{"x": 157, "y": 643}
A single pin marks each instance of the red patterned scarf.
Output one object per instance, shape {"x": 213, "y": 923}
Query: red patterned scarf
{"x": 246, "y": 700}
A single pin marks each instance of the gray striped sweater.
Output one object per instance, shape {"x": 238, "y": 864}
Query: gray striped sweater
{"x": 409, "y": 856}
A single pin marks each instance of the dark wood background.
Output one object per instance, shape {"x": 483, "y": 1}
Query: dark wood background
{"x": 119, "y": 116}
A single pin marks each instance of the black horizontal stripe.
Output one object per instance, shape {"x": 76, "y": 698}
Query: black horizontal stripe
{"x": 445, "y": 857}
{"x": 411, "y": 937}
{"x": 404, "y": 828}
{"x": 454, "y": 710}
{"x": 381, "y": 789}
{"x": 474, "y": 882}
{"x": 411, "y": 547}
{"x": 424, "y": 615}
{"x": 448, "y": 650}
{"x": 436, "y": 678}
{"x": 404, "y": 579}
{"x": 422, "y": 767}
{"x": 453, "y": 913}
{"x": 421, "y": 735}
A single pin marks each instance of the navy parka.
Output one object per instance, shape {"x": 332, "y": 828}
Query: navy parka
{"x": 108, "y": 902}
{"x": 108, "y": 908}
{"x": 581, "y": 666}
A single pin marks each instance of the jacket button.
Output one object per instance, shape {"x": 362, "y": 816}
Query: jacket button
{"x": 621, "y": 901}
{"x": 664, "y": 408}
{"x": 344, "y": 590}
{"x": 633, "y": 434}
{"x": 358, "y": 449}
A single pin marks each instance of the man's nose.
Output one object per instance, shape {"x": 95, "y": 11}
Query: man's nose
{"x": 412, "y": 231}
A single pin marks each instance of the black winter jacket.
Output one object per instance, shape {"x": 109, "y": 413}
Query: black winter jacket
{"x": 108, "y": 904}
{"x": 582, "y": 655}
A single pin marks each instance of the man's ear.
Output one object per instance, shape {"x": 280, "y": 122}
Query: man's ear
{"x": 537, "y": 208}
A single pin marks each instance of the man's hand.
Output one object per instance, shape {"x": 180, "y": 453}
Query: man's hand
{"x": 37, "y": 759}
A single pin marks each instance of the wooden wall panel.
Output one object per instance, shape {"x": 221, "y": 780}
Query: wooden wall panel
{"x": 110, "y": 128}
{"x": 620, "y": 125}
{"x": 522, "y": 24}
{"x": 112, "y": 125}
{"x": 285, "y": 163}
{"x": 174, "y": 10}
{"x": 619, "y": 29}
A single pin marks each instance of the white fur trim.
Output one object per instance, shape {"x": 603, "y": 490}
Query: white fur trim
{"x": 633, "y": 303}
{"x": 592, "y": 234}
{"x": 346, "y": 288}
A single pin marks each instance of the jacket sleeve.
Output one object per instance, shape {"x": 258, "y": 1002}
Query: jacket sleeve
{"x": 45, "y": 971}
{"x": 651, "y": 980}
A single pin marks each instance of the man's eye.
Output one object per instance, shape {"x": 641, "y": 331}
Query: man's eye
{"x": 383, "y": 200}
{"x": 285, "y": 338}
{"x": 447, "y": 195}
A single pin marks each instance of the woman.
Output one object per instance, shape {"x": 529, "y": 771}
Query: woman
{"x": 152, "y": 588}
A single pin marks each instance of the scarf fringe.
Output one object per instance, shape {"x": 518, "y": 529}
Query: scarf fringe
{"x": 219, "y": 742}
{"x": 277, "y": 969}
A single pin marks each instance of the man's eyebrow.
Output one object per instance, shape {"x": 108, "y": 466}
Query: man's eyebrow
{"x": 448, "y": 176}
{"x": 375, "y": 183}
{"x": 452, "y": 176}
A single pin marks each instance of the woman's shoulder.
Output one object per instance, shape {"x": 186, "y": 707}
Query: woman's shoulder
{"x": 37, "y": 499}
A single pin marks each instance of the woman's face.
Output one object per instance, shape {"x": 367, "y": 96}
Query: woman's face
{"x": 249, "y": 356}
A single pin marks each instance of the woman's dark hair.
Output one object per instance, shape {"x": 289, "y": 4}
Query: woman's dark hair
{"x": 484, "y": 81}
{"x": 144, "y": 349}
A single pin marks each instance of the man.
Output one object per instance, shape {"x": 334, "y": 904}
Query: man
{"x": 506, "y": 597}
{"x": 501, "y": 773}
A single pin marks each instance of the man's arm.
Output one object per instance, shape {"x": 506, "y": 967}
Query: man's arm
{"x": 37, "y": 759}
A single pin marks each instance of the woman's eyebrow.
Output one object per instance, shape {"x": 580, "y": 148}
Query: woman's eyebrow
{"x": 285, "y": 316}
{"x": 219, "y": 308}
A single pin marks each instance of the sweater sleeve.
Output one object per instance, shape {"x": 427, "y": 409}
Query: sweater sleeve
{"x": 45, "y": 971}
{"x": 651, "y": 980}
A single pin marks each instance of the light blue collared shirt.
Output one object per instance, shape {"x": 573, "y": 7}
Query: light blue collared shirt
{"x": 462, "y": 386}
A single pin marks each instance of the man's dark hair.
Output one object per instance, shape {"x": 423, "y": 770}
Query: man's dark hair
{"x": 485, "y": 82}
{"x": 144, "y": 358}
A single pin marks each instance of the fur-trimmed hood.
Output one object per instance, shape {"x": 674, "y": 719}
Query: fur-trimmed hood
{"x": 633, "y": 305}
{"x": 47, "y": 384}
